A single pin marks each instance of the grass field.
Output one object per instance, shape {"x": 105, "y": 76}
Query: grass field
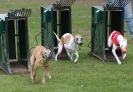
{"x": 88, "y": 75}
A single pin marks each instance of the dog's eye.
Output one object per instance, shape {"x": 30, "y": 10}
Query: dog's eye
{"x": 76, "y": 39}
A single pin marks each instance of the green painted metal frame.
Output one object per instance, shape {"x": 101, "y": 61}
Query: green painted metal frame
{"x": 3, "y": 50}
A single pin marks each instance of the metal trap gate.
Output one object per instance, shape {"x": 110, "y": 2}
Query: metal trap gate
{"x": 104, "y": 21}
{"x": 14, "y": 57}
{"x": 55, "y": 18}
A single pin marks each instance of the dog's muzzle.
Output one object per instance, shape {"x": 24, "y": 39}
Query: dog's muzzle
{"x": 80, "y": 44}
{"x": 123, "y": 50}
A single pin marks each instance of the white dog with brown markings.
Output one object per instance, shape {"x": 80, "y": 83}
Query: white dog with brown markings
{"x": 71, "y": 44}
{"x": 39, "y": 56}
{"x": 116, "y": 40}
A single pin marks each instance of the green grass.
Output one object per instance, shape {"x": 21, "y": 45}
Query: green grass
{"x": 88, "y": 75}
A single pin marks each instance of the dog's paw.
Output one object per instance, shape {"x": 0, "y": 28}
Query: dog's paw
{"x": 75, "y": 61}
{"x": 49, "y": 77}
{"x": 124, "y": 56}
{"x": 71, "y": 58}
{"x": 55, "y": 59}
{"x": 119, "y": 63}
{"x": 43, "y": 81}
{"x": 32, "y": 81}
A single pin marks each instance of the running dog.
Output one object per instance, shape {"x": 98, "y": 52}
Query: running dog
{"x": 39, "y": 56}
{"x": 71, "y": 44}
{"x": 116, "y": 40}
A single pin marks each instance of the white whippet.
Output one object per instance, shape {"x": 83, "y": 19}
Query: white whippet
{"x": 71, "y": 44}
{"x": 116, "y": 40}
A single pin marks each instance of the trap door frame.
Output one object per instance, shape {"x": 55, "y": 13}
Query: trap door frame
{"x": 115, "y": 21}
{"x": 98, "y": 32}
{"x": 47, "y": 28}
{"x": 62, "y": 25}
{"x": 17, "y": 43}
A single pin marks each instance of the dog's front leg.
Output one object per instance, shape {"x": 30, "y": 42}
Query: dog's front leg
{"x": 60, "y": 47}
{"x": 34, "y": 71}
{"x": 115, "y": 55}
{"x": 77, "y": 56}
{"x": 46, "y": 73}
{"x": 69, "y": 55}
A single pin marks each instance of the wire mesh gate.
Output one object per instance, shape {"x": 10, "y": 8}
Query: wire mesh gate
{"x": 14, "y": 41}
{"x": 55, "y": 18}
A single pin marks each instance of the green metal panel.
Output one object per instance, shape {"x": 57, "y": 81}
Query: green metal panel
{"x": 98, "y": 32}
{"x": 46, "y": 26}
{"x": 2, "y": 26}
{"x": 1, "y": 32}
{"x": 3, "y": 49}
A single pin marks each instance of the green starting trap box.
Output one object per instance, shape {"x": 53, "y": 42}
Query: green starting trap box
{"x": 104, "y": 21}
{"x": 14, "y": 57}
{"x": 55, "y": 18}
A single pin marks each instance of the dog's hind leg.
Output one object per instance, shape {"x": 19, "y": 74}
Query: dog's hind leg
{"x": 34, "y": 71}
{"x": 69, "y": 55}
{"x": 109, "y": 41}
{"x": 114, "y": 53}
{"x": 46, "y": 73}
{"x": 60, "y": 47}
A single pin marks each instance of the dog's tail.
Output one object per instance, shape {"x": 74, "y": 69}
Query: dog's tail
{"x": 57, "y": 37}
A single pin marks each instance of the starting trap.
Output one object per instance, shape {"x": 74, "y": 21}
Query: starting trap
{"x": 105, "y": 19}
{"x": 14, "y": 57}
{"x": 55, "y": 18}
